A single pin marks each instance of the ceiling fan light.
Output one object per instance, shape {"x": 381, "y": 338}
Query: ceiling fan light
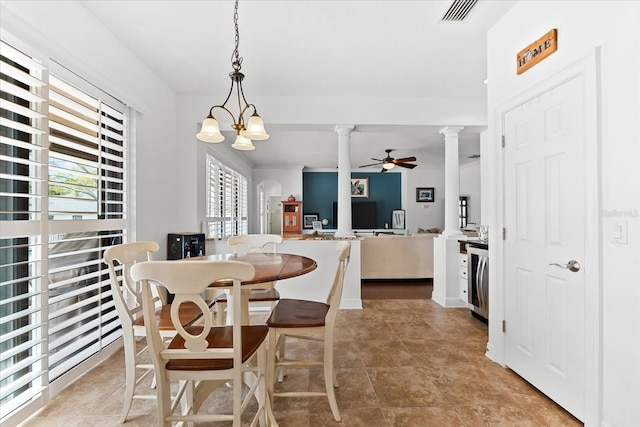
{"x": 255, "y": 128}
{"x": 388, "y": 165}
{"x": 210, "y": 131}
{"x": 243, "y": 143}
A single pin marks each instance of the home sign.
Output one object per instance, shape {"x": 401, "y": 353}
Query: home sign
{"x": 537, "y": 51}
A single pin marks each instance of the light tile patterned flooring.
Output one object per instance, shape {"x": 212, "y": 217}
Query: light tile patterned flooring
{"x": 399, "y": 362}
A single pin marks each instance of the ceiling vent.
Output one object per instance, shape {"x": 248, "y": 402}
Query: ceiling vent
{"x": 459, "y": 10}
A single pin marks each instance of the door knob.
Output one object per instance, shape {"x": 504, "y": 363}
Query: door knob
{"x": 571, "y": 265}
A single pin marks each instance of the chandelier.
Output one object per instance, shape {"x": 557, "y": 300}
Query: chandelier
{"x": 254, "y": 128}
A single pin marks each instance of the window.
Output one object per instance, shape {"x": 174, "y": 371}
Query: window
{"x": 462, "y": 211}
{"x": 226, "y": 201}
{"x": 22, "y": 255}
{"x": 59, "y": 209}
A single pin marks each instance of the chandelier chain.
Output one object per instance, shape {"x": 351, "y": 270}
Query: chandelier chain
{"x": 253, "y": 129}
{"x": 236, "y": 60}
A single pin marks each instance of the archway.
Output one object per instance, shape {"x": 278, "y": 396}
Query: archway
{"x": 269, "y": 211}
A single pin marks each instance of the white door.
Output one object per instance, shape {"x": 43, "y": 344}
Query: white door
{"x": 544, "y": 221}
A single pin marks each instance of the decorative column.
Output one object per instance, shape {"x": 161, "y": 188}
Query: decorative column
{"x": 446, "y": 247}
{"x": 451, "y": 181}
{"x": 344, "y": 181}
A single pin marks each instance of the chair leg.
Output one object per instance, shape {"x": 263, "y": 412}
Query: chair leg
{"x": 271, "y": 365}
{"x": 130, "y": 377}
{"x": 281, "y": 356}
{"x": 164, "y": 401}
{"x": 330, "y": 379}
{"x": 263, "y": 390}
{"x": 221, "y": 312}
{"x": 237, "y": 396}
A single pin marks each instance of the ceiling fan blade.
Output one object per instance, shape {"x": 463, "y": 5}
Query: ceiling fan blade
{"x": 406, "y": 165}
{"x": 404, "y": 160}
{"x": 377, "y": 160}
{"x": 372, "y": 164}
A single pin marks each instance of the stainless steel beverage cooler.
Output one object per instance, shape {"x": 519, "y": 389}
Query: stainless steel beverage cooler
{"x": 478, "y": 291}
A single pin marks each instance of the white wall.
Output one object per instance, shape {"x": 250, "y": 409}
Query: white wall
{"x": 615, "y": 27}
{"x": 69, "y": 34}
{"x": 419, "y": 214}
{"x": 430, "y": 215}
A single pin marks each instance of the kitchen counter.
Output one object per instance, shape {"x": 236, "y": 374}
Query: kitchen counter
{"x": 474, "y": 242}
{"x": 478, "y": 244}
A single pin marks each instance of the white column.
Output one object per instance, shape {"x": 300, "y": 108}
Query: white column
{"x": 344, "y": 181}
{"x": 451, "y": 181}
{"x": 446, "y": 248}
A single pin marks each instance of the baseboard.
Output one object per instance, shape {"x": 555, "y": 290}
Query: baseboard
{"x": 490, "y": 354}
{"x": 449, "y": 302}
{"x": 351, "y": 304}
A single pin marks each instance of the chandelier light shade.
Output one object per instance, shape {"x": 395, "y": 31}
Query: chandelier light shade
{"x": 388, "y": 165}
{"x": 243, "y": 143}
{"x": 210, "y": 131}
{"x": 254, "y": 128}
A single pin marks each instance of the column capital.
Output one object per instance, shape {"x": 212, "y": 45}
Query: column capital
{"x": 344, "y": 129}
{"x": 451, "y": 130}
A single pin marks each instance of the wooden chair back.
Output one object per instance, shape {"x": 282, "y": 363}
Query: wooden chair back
{"x": 188, "y": 280}
{"x": 127, "y": 293}
{"x": 255, "y": 243}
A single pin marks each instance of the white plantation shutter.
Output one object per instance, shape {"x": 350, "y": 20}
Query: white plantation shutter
{"x": 226, "y": 201}
{"x": 87, "y": 196}
{"x": 23, "y": 142}
{"x": 63, "y": 200}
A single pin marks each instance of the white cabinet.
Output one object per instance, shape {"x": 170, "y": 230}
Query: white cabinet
{"x": 463, "y": 278}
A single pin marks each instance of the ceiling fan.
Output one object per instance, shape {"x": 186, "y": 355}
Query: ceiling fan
{"x": 389, "y": 162}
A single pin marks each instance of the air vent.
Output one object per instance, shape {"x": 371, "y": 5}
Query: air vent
{"x": 459, "y": 10}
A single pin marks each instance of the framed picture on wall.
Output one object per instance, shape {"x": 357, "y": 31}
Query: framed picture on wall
{"x": 307, "y": 220}
{"x": 397, "y": 219}
{"x": 360, "y": 187}
{"x": 424, "y": 194}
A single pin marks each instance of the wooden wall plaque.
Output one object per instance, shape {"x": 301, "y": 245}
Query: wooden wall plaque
{"x": 537, "y": 51}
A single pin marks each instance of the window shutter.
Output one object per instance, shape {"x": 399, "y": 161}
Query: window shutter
{"x": 23, "y": 141}
{"x": 63, "y": 198}
{"x": 226, "y": 201}
{"x": 86, "y": 207}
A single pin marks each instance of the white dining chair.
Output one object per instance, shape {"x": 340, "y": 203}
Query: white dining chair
{"x": 127, "y": 298}
{"x": 206, "y": 356}
{"x": 267, "y": 293}
{"x": 307, "y": 320}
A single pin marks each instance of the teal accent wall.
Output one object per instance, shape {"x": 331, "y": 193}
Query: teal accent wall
{"x": 320, "y": 190}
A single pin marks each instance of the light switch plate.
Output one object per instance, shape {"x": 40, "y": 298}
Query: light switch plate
{"x": 619, "y": 231}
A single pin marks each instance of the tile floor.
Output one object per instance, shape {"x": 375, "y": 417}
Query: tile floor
{"x": 400, "y": 363}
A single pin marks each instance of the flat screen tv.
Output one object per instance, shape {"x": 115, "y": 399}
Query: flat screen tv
{"x": 363, "y": 215}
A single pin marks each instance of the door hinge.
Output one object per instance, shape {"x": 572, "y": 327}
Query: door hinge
{"x": 504, "y": 326}
{"x": 502, "y": 141}
{"x": 504, "y": 233}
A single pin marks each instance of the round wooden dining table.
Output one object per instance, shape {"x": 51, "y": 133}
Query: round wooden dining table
{"x": 269, "y": 267}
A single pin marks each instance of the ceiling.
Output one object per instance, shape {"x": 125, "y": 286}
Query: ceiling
{"x": 305, "y": 48}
